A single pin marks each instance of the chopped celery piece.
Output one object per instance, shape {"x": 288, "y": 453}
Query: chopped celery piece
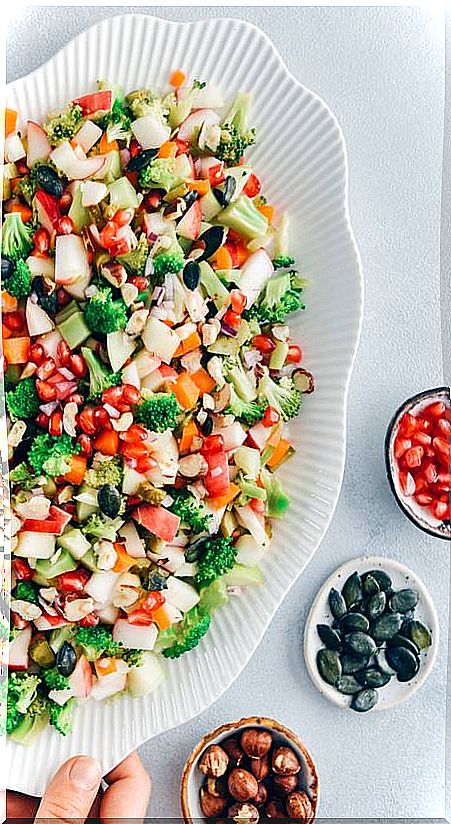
{"x": 243, "y": 216}
{"x": 213, "y": 286}
{"x": 74, "y": 329}
{"x": 279, "y": 355}
{"x": 123, "y": 195}
{"x": 77, "y": 212}
{"x": 243, "y": 576}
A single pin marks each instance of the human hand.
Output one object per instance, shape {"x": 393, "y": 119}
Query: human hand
{"x": 74, "y": 792}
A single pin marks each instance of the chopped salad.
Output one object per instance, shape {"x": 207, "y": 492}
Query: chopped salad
{"x": 149, "y": 376}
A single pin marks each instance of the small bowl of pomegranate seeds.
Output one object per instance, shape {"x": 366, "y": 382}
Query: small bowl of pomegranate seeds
{"x": 418, "y": 460}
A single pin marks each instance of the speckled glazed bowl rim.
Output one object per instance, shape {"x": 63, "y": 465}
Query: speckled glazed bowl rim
{"x": 229, "y": 729}
{"x": 407, "y": 406}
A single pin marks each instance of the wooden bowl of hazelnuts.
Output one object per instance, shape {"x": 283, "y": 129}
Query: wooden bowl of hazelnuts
{"x": 245, "y": 771}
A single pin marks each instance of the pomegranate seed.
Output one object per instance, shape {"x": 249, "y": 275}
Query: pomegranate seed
{"x": 435, "y": 410}
{"x": 19, "y": 623}
{"x": 407, "y": 483}
{"x": 63, "y": 352}
{"x": 414, "y": 456}
{"x": 37, "y": 354}
{"x": 294, "y": 354}
{"x": 408, "y": 424}
{"x": 41, "y": 240}
{"x": 444, "y": 427}
{"x": 64, "y": 225}
{"x": 135, "y": 450}
{"x": 56, "y": 423}
{"x": 42, "y": 420}
{"x": 264, "y": 344}
{"x": 440, "y": 445}
{"x": 89, "y": 620}
{"x": 65, "y": 201}
{"x": 22, "y": 569}
{"x": 86, "y": 446}
{"x": 145, "y": 464}
{"x": 238, "y": 301}
{"x": 22, "y": 167}
{"x": 441, "y": 510}
{"x": 430, "y": 473}
{"x": 401, "y": 446}
{"x": 131, "y": 394}
{"x": 76, "y": 397}
{"x": 421, "y": 438}
{"x": 134, "y": 434}
{"x": 134, "y": 148}
{"x": 123, "y": 217}
{"x": 112, "y": 396}
{"x": 77, "y": 365}
{"x": 46, "y": 369}
{"x": 87, "y": 420}
{"x": 102, "y": 417}
{"x": 231, "y": 320}
{"x": 63, "y": 297}
{"x": 423, "y": 498}
{"x": 74, "y": 581}
{"x": 257, "y": 505}
{"x": 121, "y": 406}
{"x": 14, "y": 321}
{"x": 271, "y": 417}
{"x": 140, "y": 282}
{"x": 46, "y": 391}
{"x": 425, "y": 424}
{"x": 444, "y": 481}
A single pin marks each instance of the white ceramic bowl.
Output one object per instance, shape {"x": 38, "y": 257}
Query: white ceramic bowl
{"x": 300, "y": 156}
{"x": 193, "y": 779}
{"x": 419, "y": 515}
{"x": 394, "y": 692}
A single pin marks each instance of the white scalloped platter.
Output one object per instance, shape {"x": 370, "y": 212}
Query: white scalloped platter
{"x": 301, "y": 158}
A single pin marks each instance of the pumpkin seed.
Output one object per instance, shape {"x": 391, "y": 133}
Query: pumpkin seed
{"x": 337, "y": 603}
{"x": 353, "y": 622}
{"x": 191, "y": 275}
{"x": 369, "y": 585}
{"x": 404, "y": 662}
{"x": 361, "y": 643}
{"x": 364, "y": 700}
{"x": 213, "y": 238}
{"x": 329, "y": 637}
{"x": 404, "y": 600}
{"x": 329, "y": 666}
{"x": 372, "y": 677}
{"x": 382, "y": 663}
{"x": 348, "y": 685}
{"x": 66, "y": 659}
{"x": 376, "y": 605}
{"x": 402, "y": 641}
{"x": 351, "y": 663}
{"x": 386, "y": 627}
{"x": 384, "y": 580}
{"x": 141, "y": 160}
{"x": 419, "y": 634}
{"x": 352, "y": 590}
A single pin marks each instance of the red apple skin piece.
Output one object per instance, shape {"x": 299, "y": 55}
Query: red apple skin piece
{"x": 18, "y": 650}
{"x": 158, "y": 520}
{"x": 38, "y": 146}
{"x": 189, "y": 226}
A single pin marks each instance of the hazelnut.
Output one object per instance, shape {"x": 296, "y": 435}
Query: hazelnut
{"x": 217, "y": 786}
{"x": 214, "y": 761}
{"x": 234, "y": 751}
{"x": 274, "y": 809}
{"x": 242, "y": 784}
{"x": 262, "y": 796}
{"x": 256, "y": 743}
{"x": 284, "y": 784}
{"x": 259, "y": 767}
{"x": 299, "y": 806}
{"x": 285, "y": 762}
{"x": 244, "y": 812}
{"x": 212, "y": 806}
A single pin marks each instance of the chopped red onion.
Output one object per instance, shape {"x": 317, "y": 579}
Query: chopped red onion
{"x": 252, "y": 357}
{"x": 48, "y": 408}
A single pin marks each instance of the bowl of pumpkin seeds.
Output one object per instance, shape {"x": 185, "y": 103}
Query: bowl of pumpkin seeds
{"x": 371, "y": 637}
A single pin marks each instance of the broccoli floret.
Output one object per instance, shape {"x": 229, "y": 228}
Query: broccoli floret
{"x": 18, "y": 284}
{"x": 283, "y": 396}
{"x": 64, "y": 125}
{"x": 26, "y": 188}
{"x": 281, "y": 297}
{"x": 118, "y": 122}
{"x": 135, "y": 261}
{"x": 105, "y": 472}
{"x": 23, "y": 401}
{"x": 102, "y": 527}
{"x": 235, "y": 134}
{"x": 243, "y": 216}
{"x": 54, "y": 680}
{"x": 249, "y": 412}
{"x": 22, "y": 475}
{"x": 103, "y": 314}
{"x": 185, "y": 635}
{"x": 132, "y": 657}
{"x": 97, "y": 641}
{"x": 100, "y": 377}
{"x": 190, "y": 510}
{"x": 49, "y": 454}
{"x": 16, "y": 237}
{"x": 13, "y": 717}
{"x": 160, "y": 173}
{"x": 218, "y": 557}
{"x": 144, "y": 101}
{"x": 62, "y": 717}
{"x": 158, "y": 413}
{"x": 165, "y": 264}
{"x": 236, "y": 375}
{"x": 283, "y": 262}
{"x": 22, "y": 690}
{"x": 26, "y": 591}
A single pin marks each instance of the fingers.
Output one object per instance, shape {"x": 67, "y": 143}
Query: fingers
{"x": 21, "y": 806}
{"x": 72, "y": 790}
{"x": 128, "y": 793}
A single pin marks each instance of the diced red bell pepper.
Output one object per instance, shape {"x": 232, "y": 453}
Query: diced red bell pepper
{"x": 95, "y": 102}
{"x": 54, "y": 524}
{"x": 217, "y": 480}
{"x": 158, "y": 520}
{"x": 22, "y": 569}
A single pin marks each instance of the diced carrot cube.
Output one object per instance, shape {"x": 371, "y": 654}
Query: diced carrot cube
{"x": 16, "y": 350}
{"x": 267, "y": 210}
{"x": 9, "y": 303}
{"x": 223, "y": 500}
{"x": 177, "y": 78}
{"x": 107, "y": 442}
{"x": 203, "y": 381}
{"x": 123, "y": 560}
{"x": 10, "y": 121}
{"x": 189, "y": 432}
{"x": 280, "y": 452}
{"x": 77, "y": 470}
{"x": 186, "y": 391}
{"x": 168, "y": 149}
{"x": 222, "y": 259}
{"x": 106, "y": 146}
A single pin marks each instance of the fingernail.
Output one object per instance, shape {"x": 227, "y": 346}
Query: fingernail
{"x": 85, "y": 773}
